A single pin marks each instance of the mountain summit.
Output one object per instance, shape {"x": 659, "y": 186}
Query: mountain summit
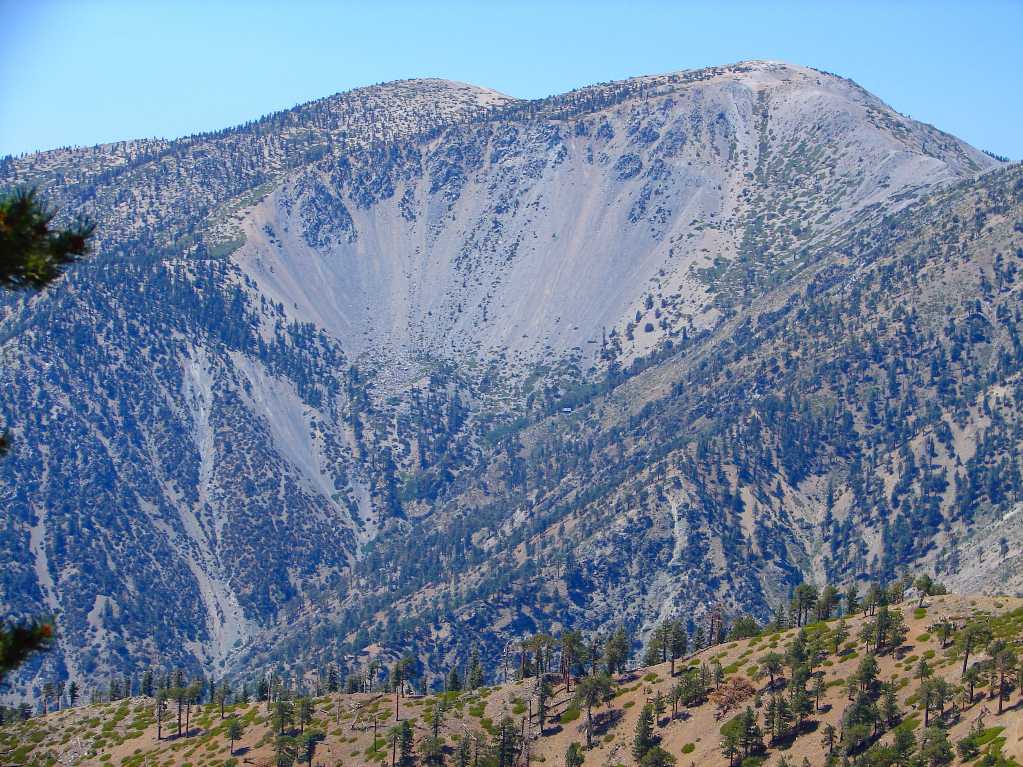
{"x": 424, "y": 361}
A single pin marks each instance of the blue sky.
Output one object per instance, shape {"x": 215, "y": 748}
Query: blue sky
{"x": 90, "y": 71}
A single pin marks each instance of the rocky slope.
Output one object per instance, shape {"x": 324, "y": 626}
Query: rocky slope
{"x": 316, "y": 371}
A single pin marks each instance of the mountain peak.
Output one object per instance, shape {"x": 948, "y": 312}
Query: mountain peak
{"x": 383, "y": 343}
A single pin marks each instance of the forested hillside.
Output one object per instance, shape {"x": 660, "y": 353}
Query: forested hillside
{"x": 422, "y": 366}
{"x": 856, "y": 420}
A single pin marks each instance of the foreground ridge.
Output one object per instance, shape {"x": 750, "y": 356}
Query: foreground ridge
{"x": 922, "y": 690}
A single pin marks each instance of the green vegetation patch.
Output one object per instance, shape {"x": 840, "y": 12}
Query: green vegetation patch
{"x": 570, "y": 714}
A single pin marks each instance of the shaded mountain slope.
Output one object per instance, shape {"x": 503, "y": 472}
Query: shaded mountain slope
{"x": 860, "y": 418}
{"x": 311, "y": 373}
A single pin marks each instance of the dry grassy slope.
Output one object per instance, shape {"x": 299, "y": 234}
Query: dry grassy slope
{"x": 123, "y": 733}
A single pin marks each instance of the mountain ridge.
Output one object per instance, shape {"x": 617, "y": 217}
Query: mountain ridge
{"x": 310, "y": 335}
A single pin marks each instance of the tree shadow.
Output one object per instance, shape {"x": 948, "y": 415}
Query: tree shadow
{"x": 785, "y": 742}
{"x": 605, "y": 720}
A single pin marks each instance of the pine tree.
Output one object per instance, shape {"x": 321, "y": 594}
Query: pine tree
{"x": 305, "y": 713}
{"x": 474, "y": 679}
{"x": 657, "y": 757}
{"x": 852, "y": 599}
{"x": 32, "y": 255}
{"x": 659, "y": 706}
{"x": 904, "y": 746}
{"x": 924, "y": 583}
{"x": 730, "y": 745}
{"x": 286, "y": 750}
{"x": 616, "y": 651}
{"x": 839, "y": 636}
{"x": 643, "y": 740}
{"x": 935, "y": 749}
{"x": 572, "y": 652}
{"x": 161, "y": 709}
{"x": 463, "y": 755}
{"x": 678, "y": 642}
{"x": 973, "y": 635}
{"x": 452, "y": 682}
{"x": 1004, "y": 661}
{"x": 20, "y": 640}
{"x": 543, "y": 696}
{"x": 433, "y": 746}
{"x": 574, "y": 755}
{"x": 589, "y": 692}
{"x": 751, "y": 738}
{"x": 890, "y": 713}
{"x": 283, "y": 716}
{"x": 235, "y": 731}
{"x": 307, "y": 745}
{"x": 506, "y": 743}
{"x": 819, "y": 689}
{"x": 829, "y": 738}
{"x": 771, "y": 664}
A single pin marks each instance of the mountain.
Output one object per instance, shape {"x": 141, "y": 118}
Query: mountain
{"x": 422, "y": 364}
{"x": 123, "y": 730}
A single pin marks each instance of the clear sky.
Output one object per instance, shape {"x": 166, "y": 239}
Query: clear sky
{"x": 91, "y": 71}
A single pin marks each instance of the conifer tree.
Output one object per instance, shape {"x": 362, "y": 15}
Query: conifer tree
{"x": 643, "y": 740}
{"x": 161, "y": 708}
{"x": 452, "y": 682}
{"x": 589, "y": 692}
{"x": 235, "y": 731}
{"x": 839, "y": 636}
{"x": 307, "y": 743}
{"x": 286, "y": 750}
{"x": 657, "y": 757}
{"x": 474, "y": 677}
{"x": 572, "y": 652}
{"x": 616, "y": 651}
{"x": 660, "y": 705}
{"x": 305, "y": 713}
{"x": 283, "y": 715}
{"x": 678, "y": 642}
{"x": 463, "y": 755}
{"x": 771, "y": 664}
{"x": 543, "y": 696}
{"x": 829, "y": 737}
{"x": 975, "y": 634}
{"x": 852, "y": 599}
{"x": 433, "y": 746}
{"x": 506, "y": 743}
